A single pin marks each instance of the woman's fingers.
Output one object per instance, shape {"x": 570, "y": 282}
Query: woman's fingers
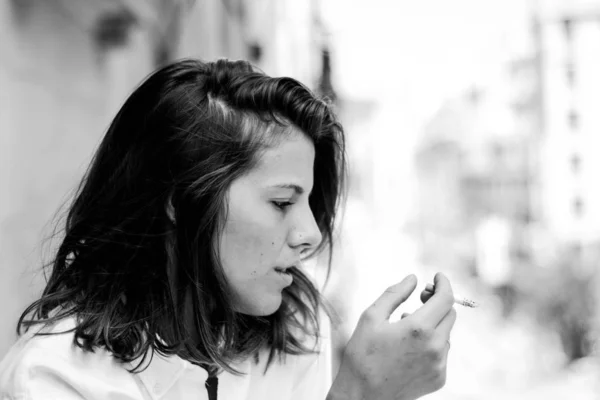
{"x": 395, "y": 295}
{"x": 426, "y": 295}
{"x": 438, "y": 305}
{"x": 411, "y": 353}
{"x": 446, "y": 324}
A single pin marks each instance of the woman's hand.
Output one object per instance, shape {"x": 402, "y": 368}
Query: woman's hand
{"x": 403, "y": 360}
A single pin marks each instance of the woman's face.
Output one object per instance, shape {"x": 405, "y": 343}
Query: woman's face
{"x": 269, "y": 223}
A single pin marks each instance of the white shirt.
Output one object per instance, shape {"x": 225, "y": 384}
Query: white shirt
{"x": 52, "y": 367}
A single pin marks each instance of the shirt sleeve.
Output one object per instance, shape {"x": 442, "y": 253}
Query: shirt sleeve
{"x": 316, "y": 379}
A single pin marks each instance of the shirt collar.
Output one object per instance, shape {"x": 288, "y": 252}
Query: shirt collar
{"x": 161, "y": 373}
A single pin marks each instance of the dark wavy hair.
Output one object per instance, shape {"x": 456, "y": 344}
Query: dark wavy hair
{"x": 139, "y": 236}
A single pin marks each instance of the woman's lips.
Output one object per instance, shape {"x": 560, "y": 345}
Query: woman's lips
{"x": 285, "y": 275}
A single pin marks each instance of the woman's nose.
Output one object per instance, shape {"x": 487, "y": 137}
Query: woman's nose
{"x": 306, "y": 233}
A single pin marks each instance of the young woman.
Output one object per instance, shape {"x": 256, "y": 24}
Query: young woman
{"x": 180, "y": 276}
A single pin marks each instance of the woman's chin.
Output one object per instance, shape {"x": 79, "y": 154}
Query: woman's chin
{"x": 263, "y": 308}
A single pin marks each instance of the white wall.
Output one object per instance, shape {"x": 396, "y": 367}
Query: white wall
{"x": 56, "y": 99}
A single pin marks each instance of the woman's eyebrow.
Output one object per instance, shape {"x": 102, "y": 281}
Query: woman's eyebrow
{"x": 296, "y": 188}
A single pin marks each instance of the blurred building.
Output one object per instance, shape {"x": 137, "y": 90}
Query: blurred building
{"x": 506, "y": 175}
{"x": 473, "y": 169}
{"x": 66, "y": 66}
{"x": 569, "y": 161}
{"x": 570, "y": 144}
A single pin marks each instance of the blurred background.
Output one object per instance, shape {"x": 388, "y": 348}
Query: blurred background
{"x": 473, "y": 140}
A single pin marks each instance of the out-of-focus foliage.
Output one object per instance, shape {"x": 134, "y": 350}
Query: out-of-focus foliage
{"x": 564, "y": 297}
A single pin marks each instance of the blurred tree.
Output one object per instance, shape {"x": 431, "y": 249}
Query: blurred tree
{"x": 565, "y": 301}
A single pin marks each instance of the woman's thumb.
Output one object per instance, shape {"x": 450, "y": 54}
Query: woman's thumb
{"x": 393, "y": 296}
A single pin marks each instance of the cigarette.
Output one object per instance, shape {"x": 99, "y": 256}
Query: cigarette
{"x": 457, "y": 300}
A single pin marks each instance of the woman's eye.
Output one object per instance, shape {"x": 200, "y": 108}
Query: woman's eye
{"x": 282, "y": 205}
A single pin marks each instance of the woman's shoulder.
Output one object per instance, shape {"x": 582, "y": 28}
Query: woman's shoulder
{"x": 53, "y": 336}
{"x": 52, "y": 340}
{"x": 46, "y": 357}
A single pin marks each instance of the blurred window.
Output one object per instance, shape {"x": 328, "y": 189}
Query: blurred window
{"x": 578, "y": 207}
{"x": 570, "y": 73}
{"x": 573, "y": 120}
{"x": 575, "y": 163}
